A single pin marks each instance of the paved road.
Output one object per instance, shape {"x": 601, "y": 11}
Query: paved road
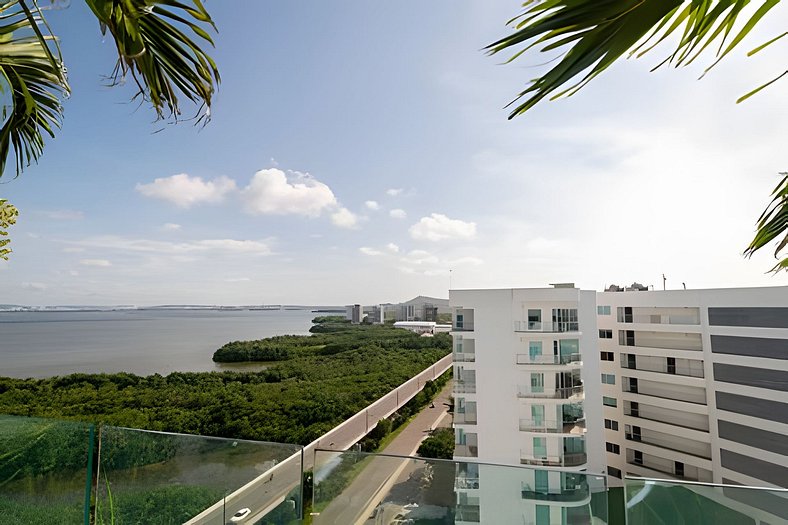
{"x": 264, "y": 493}
{"x": 371, "y": 485}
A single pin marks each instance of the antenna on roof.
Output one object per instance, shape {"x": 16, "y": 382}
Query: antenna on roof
{"x": 664, "y": 280}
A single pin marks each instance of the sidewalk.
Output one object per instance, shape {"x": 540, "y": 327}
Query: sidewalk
{"x": 371, "y": 485}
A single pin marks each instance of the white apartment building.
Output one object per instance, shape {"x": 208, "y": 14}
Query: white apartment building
{"x": 695, "y": 387}
{"x": 526, "y": 383}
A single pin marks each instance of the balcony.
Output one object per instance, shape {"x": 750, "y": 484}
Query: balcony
{"x": 466, "y": 483}
{"x": 574, "y": 459}
{"x": 465, "y": 387}
{"x": 669, "y": 442}
{"x": 466, "y": 451}
{"x": 468, "y": 513}
{"x": 464, "y": 357}
{"x": 577, "y": 426}
{"x": 465, "y": 418}
{"x": 546, "y": 327}
{"x": 663, "y": 365}
{"x": 573, "y": 392}
{"x": 463, "y": 320}
{"x": 578, "y": 492}
{"x": 527, "y": 359}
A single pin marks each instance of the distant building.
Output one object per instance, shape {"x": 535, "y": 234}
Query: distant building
{"x": 423, "y": 327}
{"x": 422, "y": 308}
{"x": 354, "y": 313}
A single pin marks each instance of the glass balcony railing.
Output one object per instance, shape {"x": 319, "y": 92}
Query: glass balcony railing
{"x": 546, "y": 326}
{"x": 154, "y": 477}
{"x": 46, "y": 468}
{"x": 527, "y": 359}
{"x": 464, "y": 357}
{"x": 352, "y": 487}
{"x": 558, "y": 393}
{"x": 465, "y": 418}
{"x": 465, "y": 387}
{"x": 658, "y": 501}
{"x": 576, "y": 426}
{"x": 574, "y": 459}
{"x": 73, "y": 473}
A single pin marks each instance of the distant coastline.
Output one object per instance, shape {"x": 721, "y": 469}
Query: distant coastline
{"x": 116, "y": 308}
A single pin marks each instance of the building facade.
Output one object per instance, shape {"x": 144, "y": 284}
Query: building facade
{"x": 526, "y": 386}
{"x": 695, "y": 387}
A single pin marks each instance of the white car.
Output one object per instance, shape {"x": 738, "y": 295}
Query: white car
{"x": 240, "y": 515}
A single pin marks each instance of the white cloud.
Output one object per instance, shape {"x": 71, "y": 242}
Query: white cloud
{"x": 73, "y": 249}
{"x": 372, "y": 205}
{"x": 171, "y": 227}
{"x": 438, "y": 227}
{"x": 393, "y": 248}
{"x": 73, "y": 273}
{"x": 419, "y": 257}
{"x": 34, "y": 287}
{"x": 237, "y": 280}
{"x": 393, "y": 192}
{"x": 95, "y": 262}
{"x": 229, "y": 246}
{"x": 370, "y": 251}
{"x": 344, "y": 218}
{"x": 398, "y": 213}
{"x": 272, "y": 192}
{"x": 184, "y": 190}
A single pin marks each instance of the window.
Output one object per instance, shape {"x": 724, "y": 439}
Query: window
{"x": 671, "y": 362}
{"x": 626, "y": 337}
{"x": 612, "y": 447}
{"x": 565, "y": 319}
{"x": 634, "y": 409}
{"x": 608, "y": 379}
{"x": 679, "y": 469}
{"x": 609, "y": 401}
{"x": 633, "y": 385}
{"x": 606, "y": 334}
{"x": 534, "y": 349}
{"x": 611, "y": 424}
{"x": 606, "y": 356}
{"x": 459, "y": 322}
{"x": 537, "y": 382}
{"x": 603, "y": 310}
{"x": 534, "y": 319}
{"x": 624, "y": 314}
{"x": 613, "y": 471}
{"x": 637, "y": 457}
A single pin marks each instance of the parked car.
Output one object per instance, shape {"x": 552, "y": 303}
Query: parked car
{"x": 240, "y": 515}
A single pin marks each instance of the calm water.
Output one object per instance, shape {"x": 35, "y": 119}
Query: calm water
{"x": 44, "y": 344}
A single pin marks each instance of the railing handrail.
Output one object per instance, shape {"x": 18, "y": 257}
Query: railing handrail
{"x": 548, "y": 359}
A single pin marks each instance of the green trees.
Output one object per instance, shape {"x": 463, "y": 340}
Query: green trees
{"x": 295, "y": 401}
{"x": 440, "y": 444}
{"x": 158, "y": 46}
{"x": 593, "y": 35}
{"x": 8, "y": 215}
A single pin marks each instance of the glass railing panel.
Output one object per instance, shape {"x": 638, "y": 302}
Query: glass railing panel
{"x": 154, "y": 477}
{"x": 351, "y": 487}
{"x": 658, "y": 501}
{"x": 45, "y": 470}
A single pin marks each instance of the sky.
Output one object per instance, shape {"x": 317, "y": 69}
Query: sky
{"x": 360, "y": 152}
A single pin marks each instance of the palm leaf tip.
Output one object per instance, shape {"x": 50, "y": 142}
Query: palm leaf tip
{"x": 773, "y": 225}
{"x": 160, "y": 45}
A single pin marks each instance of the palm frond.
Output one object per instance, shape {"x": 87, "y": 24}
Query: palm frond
{"x": 32, "y": 83}
{"x": 596, "y": 33}
{"x": 772, "y": 224}
{"x": 158, "y": 46}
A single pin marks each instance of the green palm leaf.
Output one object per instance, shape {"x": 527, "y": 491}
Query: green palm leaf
{"x": 596, "y": 33}
{"x": 772, "y": 224}
{"x": 32, "y": 83}
{"x": 158, "y": 46}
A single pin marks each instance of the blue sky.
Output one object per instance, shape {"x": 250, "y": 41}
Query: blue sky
{"x": 358, "y": 151}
